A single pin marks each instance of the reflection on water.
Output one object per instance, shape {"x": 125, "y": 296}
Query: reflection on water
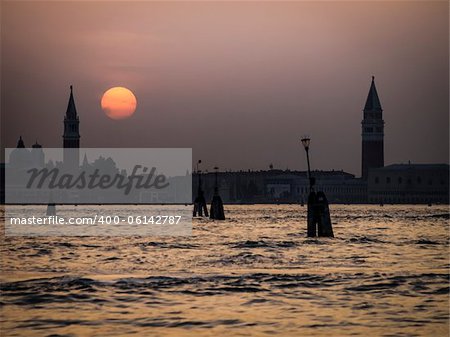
{"x": 255, "y": 274}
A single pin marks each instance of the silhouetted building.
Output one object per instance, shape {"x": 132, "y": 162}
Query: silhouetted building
{"x": 20, "y": 143}
{"x": 20, "y": 160}
{"x": 409, "y": 184}
{"x": 22, "y": 157}
{"x": 372, "y": 133}
{"x": 282, "y": 186}
{"x": 37, "y": 155}
{"x": 71, "y": 137}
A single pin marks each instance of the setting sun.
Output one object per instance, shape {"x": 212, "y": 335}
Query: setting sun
{"x": 118, "y": 103}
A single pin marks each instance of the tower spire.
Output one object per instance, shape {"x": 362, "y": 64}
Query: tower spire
{"x": 85, "y": 160}
{"x": 71, "y": 111}
{"x": 373, "y": 101}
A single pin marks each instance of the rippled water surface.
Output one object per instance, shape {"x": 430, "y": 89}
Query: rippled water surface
{"x": 255, "y": 274}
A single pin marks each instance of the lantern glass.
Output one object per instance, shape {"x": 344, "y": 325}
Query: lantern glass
{"x": 305, "y": 142}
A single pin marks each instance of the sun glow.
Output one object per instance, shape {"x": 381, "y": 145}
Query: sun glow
{"x": 118, "y": 103}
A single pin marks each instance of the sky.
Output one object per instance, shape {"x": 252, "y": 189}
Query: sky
{"x": 238, "y": 82}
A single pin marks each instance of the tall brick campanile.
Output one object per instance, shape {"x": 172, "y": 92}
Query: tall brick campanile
{"x": 372, "y": 132}
{"x": 71, "y": 137}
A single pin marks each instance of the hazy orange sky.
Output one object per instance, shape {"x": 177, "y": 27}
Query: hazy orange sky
{"x": 239, "y": 82}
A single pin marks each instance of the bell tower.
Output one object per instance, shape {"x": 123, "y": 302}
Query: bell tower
{"x": 372, "y": 132}
{"x": 71, "y": 137}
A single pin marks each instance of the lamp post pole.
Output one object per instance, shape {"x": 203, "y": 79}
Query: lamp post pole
{"x": 305, "y": 141}
{"x": 216, "y": 212}
{"x": 199, "y": 202}
{"x": 199, "y": 175}
{"x": 309, "y": 168}
{"x": 311, "y": 216}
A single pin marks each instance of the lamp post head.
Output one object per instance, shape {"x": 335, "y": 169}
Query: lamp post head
{"x": 198, "y": 163}
{"x": 305, "y": 141}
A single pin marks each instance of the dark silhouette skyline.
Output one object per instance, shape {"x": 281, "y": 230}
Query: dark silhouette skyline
{"x": 240, "y": 83}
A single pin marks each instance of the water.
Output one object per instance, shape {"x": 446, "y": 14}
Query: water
{"x": 255, "y": 274}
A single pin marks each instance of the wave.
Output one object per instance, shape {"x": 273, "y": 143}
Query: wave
{"x": 220, "y": 284}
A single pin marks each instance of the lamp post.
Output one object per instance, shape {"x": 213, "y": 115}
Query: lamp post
{"x": 199, "y": 175}
{"x": 318, "y": 217}
{"x": 199, "y": 202}
{"x": 216, "y": 212}
{"x": 305, "y": 141}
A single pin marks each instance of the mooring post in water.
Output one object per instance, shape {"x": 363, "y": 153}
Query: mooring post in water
{"x": 324, "y": 227}
{"x": 311, "y": 223}
{"x": 216, "y": 212}
{"x": 51, "y": 207}
{"x": 200, "y": 208}
{"x": 318, "y": 218}
{"x": 51, "y": 210}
